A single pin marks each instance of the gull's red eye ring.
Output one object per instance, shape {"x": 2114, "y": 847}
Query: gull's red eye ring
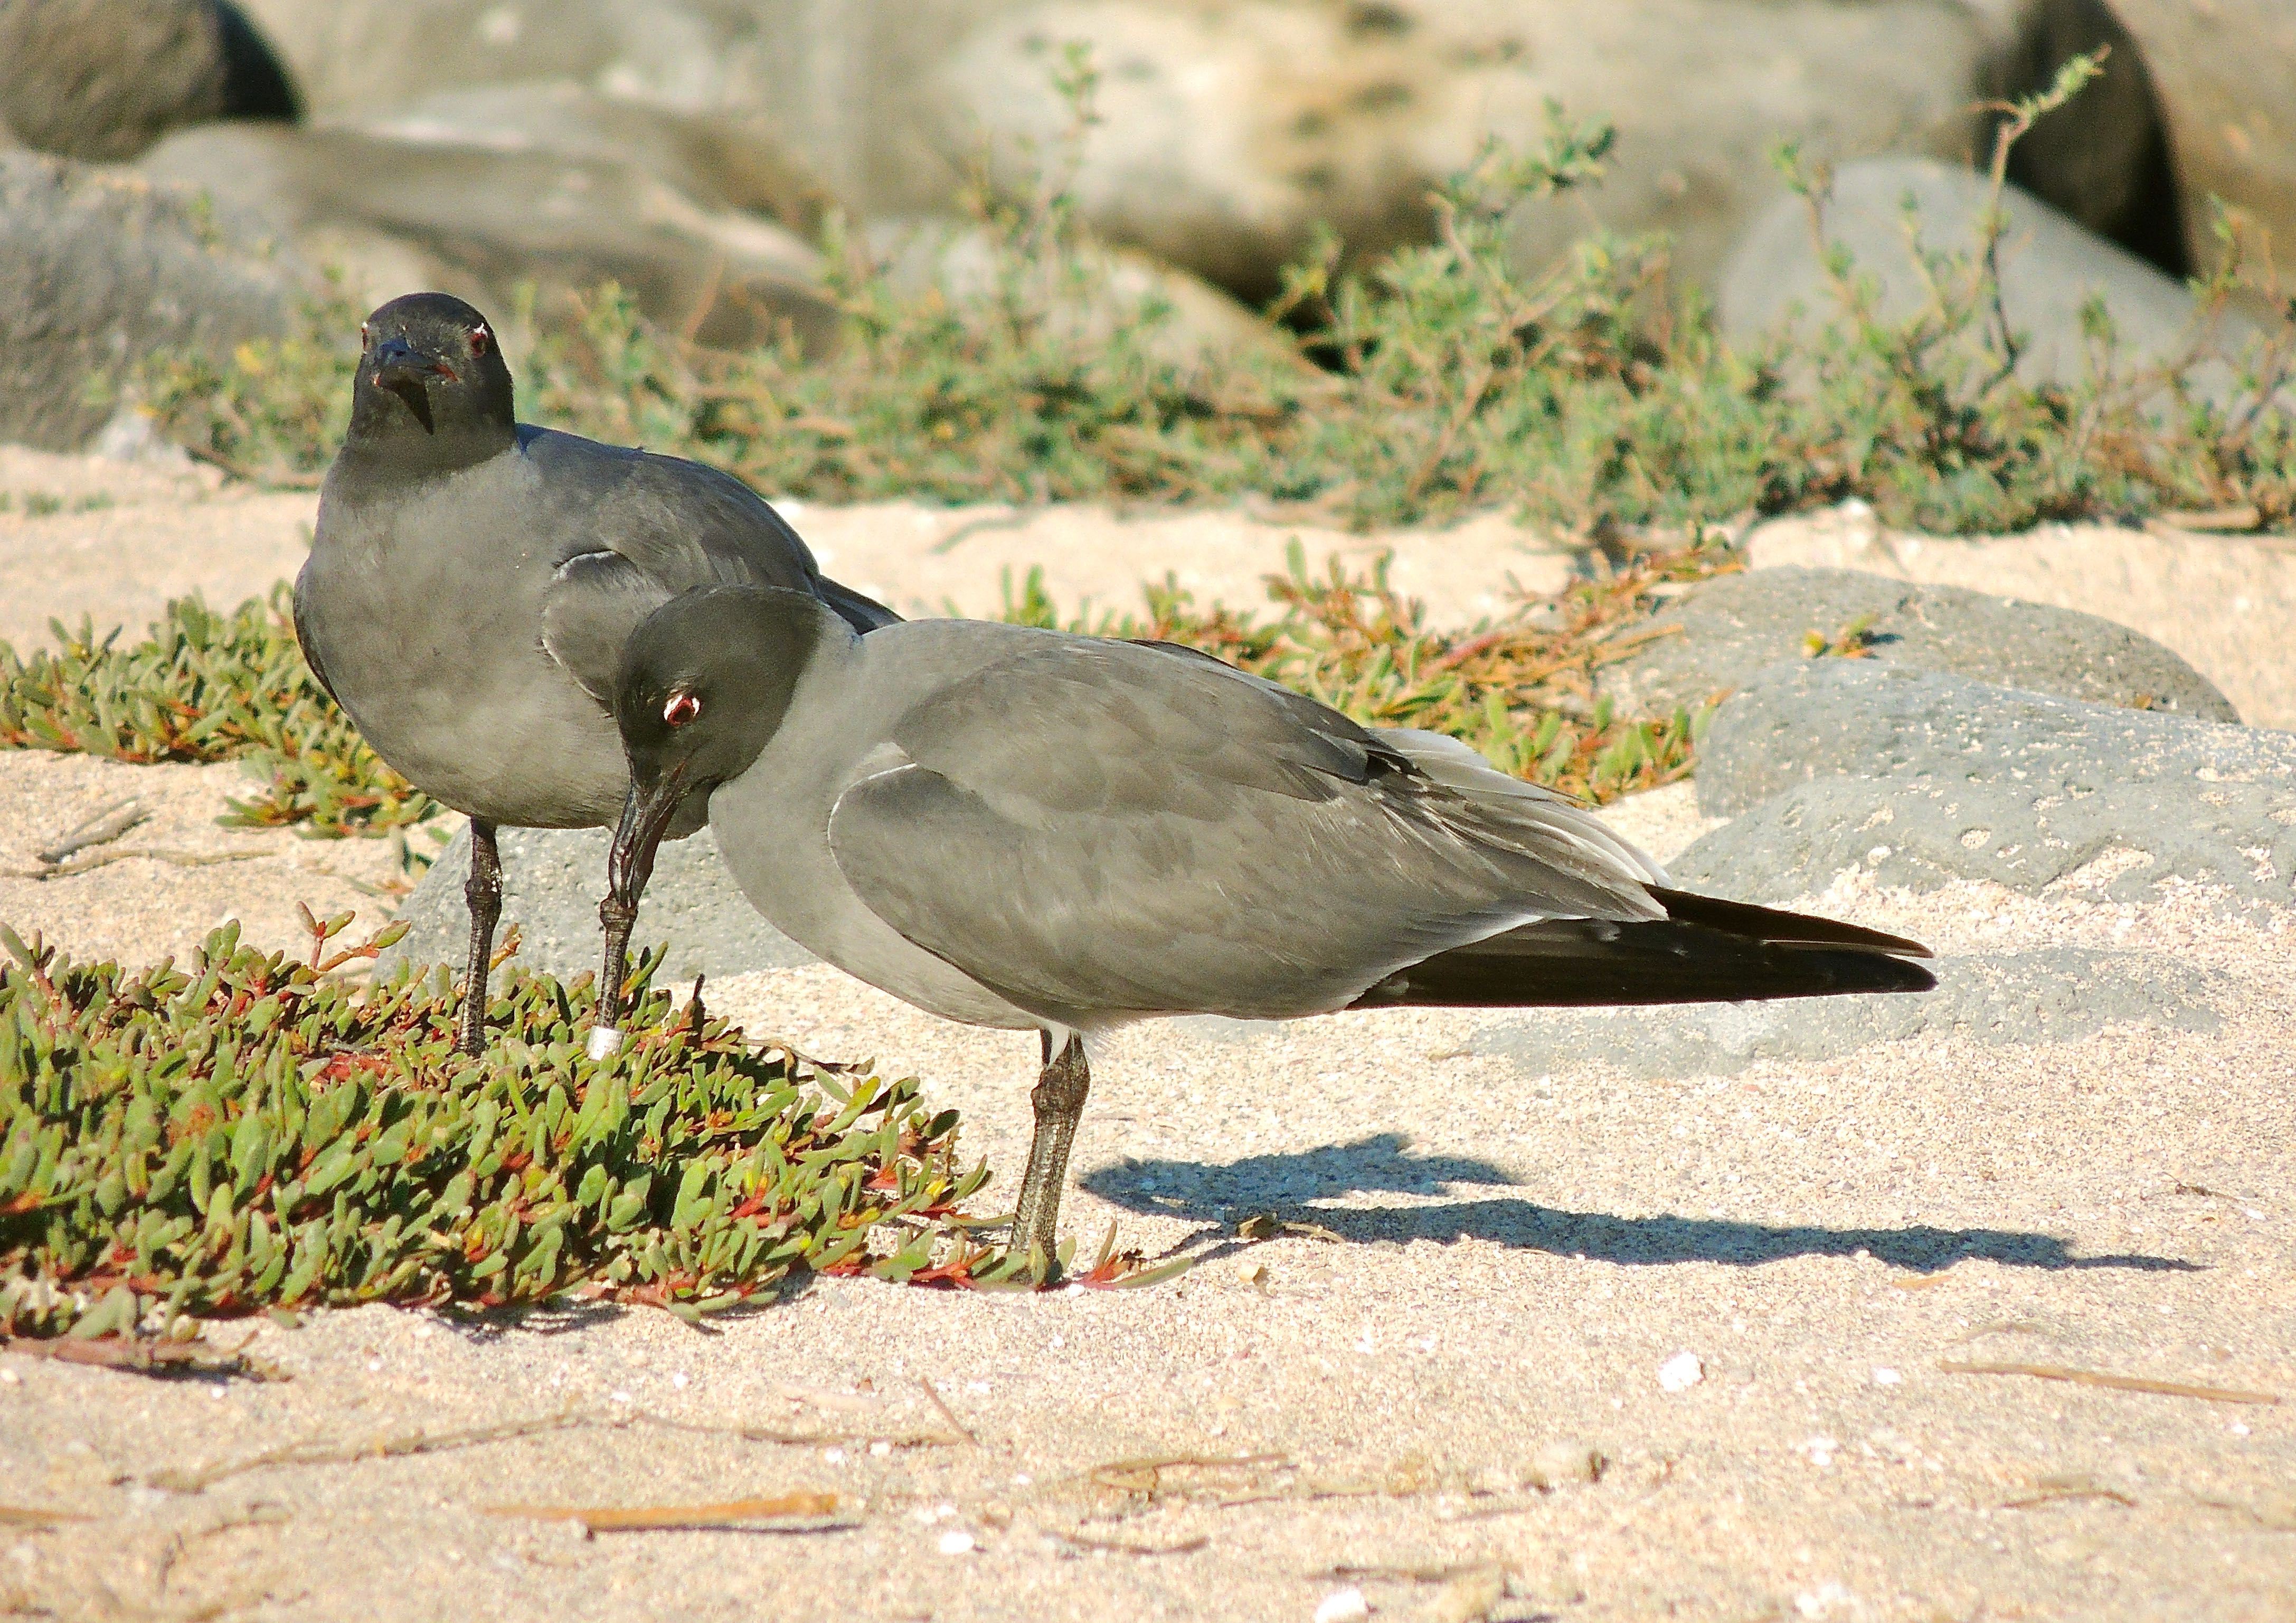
{"x": 480, "y": 341}
{"x": 681, "y": 709}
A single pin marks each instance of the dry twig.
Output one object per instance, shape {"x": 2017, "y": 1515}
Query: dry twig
{"x": 948, "y": 1413}
{"x": 322, "y": 1452}
{"x": 38, "y": 1516}
{"x": 180, "y": 859}
{"x": 2119, "y": 1383}
{"x": 753, "y": 1515}
{"x": 108, "y": 825}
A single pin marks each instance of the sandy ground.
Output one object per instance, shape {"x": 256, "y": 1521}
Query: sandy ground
{"x": 80, "y": 536}
{"x": 1503, "y": 1263}
{"x": 163, "y": 884}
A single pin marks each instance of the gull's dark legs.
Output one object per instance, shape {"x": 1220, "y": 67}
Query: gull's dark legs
{"x": 483, "y": 892}
{"x": 1058, "y": 1101}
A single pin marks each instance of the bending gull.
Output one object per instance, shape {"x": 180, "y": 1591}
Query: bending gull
{"x": 1025, "y": 829}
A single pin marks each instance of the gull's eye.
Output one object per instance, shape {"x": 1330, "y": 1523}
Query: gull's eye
{"x": 481, "y": 341}
{"x": 681, "y": 709}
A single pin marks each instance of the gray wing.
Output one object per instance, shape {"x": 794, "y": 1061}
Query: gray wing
{"x": 595, "y": 600}
{"x": 636, "y": 529}
{"x": 1098, "y": 827}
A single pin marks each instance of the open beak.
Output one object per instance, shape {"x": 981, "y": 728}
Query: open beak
{"x": 407, "y": 372}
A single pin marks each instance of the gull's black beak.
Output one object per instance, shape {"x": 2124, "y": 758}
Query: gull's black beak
{"x": 407, "y": 372}
{"x": 645, "y": 817}
{"x": 629, "y": 864}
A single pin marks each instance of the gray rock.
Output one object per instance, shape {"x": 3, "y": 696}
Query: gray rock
{"x": 97, "y": 270}
{"x": 1232, "y": 130}
{"x": 1738, "y": 624}
{"x": 1818, "y": 718}
{"x": 357, "y": 56}
{"x": 2053, "y": 995}
{"x": 720, "y": 160}
{"x": 504, "y": 208}
{"x": 2118, "y": 843}
{"x": 2051, "y": 267}
{"x": 1922, "y": 778}
{"x": 552, "y": 881}
{"x": 102, "y": 79}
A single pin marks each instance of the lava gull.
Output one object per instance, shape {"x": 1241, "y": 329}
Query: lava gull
{"x": 472, "y": 580}
{"x": 1031, "y": 829}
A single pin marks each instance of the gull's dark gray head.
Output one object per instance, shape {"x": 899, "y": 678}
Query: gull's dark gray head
{"x": 705, "y": 682}
{"x": 432, "y": 387}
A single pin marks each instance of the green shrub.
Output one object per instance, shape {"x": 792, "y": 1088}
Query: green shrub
{"x": 251, "y": 1132}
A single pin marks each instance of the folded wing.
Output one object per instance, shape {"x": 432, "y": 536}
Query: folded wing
{"x": 1096, "y": 827}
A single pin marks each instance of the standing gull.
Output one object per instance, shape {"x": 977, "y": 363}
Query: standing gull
{"x": 472, "y": 580}
{"x": 1022, "y": 828}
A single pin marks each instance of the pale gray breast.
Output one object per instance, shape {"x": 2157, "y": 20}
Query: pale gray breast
{"x": 425, "y": 609}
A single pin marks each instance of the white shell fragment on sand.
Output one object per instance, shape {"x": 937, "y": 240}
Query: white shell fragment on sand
{"x": 605, "y": 1042}
{"x": 1682, "y": 1372}
{"x": 957, "y": 1542}
{"x": 1342, "y": 1606}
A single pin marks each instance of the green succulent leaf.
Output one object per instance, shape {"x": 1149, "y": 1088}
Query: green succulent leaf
{"x": 335, "y": 1149}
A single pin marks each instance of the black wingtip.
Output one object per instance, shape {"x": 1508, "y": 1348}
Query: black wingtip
{"x": 1776, "y": 925}
{"x": 1705, "y": 951}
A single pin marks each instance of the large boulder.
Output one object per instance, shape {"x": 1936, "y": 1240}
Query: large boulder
{"x": 550, "y": 184}
{"x": 2051, "y": 266}
{"x": 1720, "y": 634}
{"x": 552, "y": 881}
{"x": 721, "y": 159}
{"x": 1920, "y": 778}
{"x": 841, "y": 78}
{"x": 98, "y": 269}
{"x": 353, "y": 56}
{"x": 1230, "y": 131}
{"x": 2226, "y": 73}
{"x": 102, "y": 79}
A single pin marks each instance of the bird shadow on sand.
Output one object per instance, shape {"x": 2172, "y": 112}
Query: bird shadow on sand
{"x": 1218, "y": 1195}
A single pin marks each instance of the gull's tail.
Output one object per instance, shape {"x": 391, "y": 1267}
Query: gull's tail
{"x": 1705, "y": 950}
